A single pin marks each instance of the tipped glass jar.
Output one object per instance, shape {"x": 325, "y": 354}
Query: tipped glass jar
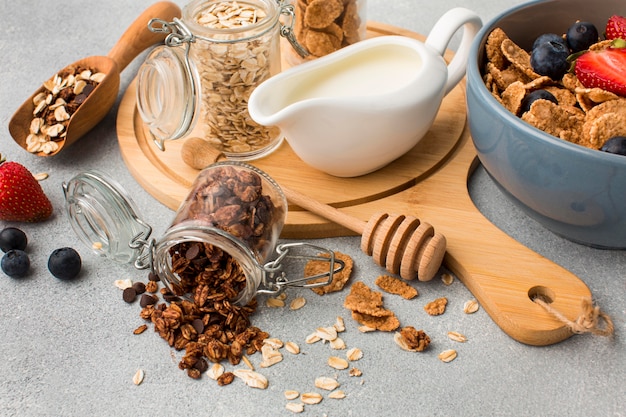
{"x": 324, "y": 26}
{"x": 218, "y": 245}
{"x": 199, "y": 82}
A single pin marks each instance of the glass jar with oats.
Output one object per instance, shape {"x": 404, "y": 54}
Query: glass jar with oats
{"x": 324, "y": 26}
{"x": 198, "y": 83}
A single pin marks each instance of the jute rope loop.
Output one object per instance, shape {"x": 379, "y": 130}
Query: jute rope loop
{"x": 588, "y": 321}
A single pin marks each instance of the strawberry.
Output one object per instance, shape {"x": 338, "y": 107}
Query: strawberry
{"x": 604, "y": 69}
{"x": 21, "y": 197}
{"x": 616, "y": 27}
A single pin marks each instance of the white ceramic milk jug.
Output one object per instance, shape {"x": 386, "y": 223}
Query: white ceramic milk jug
{"x": 358, "y": 109}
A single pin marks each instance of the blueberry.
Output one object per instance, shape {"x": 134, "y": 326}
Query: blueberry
{"x": 548, "y": 37}
{"x": 581, "y": 35}
{"x": 616, "y": 145}
{"x": 535, "y": 95}
{"x": 12, "y": 238}
{"x": 15, "y": 263}
{"x": 550, "y": 58}
{"x": 64, "y": 263}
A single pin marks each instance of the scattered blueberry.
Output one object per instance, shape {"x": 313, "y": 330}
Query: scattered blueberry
{"x": 548, "y": 37}
{"x": 535, "y": 95}
{"x": 550, "y": 58}
{"x": 616, "y": 145}
{"x": 581, "y": 35}
{"x": 64, "y": 263}
{"x": 15, "y": 263}
{"x": 12, "y": 238}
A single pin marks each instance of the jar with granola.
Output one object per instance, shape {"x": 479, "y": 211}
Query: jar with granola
{"x": 324, "y": 26}
{"x": 218, "y": 245}
{"x": 198, "y": 83}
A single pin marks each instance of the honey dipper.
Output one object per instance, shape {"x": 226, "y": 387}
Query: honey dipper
{"x": 402, "y": 244}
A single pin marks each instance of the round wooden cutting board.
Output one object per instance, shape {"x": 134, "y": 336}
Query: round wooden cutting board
{"x": 429, "y": 182}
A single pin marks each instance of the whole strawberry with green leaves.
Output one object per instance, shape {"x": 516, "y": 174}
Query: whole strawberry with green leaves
{"x": 21, "y": 197}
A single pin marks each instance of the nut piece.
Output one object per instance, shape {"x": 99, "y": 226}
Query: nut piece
{"x": 447, "y": 355}
{"x": 470, "y": 306}
{"x": 138, "y": 377}
{"x": 326, "y": 383}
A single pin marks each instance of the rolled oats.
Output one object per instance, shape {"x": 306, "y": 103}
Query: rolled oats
{"x": 251, "y": 378}
{"x": 274, "y": 302}
{"x": 470, "y": 306}
{"x": 138, "y": 377}
{"x": 297, "y": 303}
{"x": 447, "y": 355}
{"x": 229, "y": 73}
{"x": 355, "y": 372}
{"x": 457, "y": 337}
{"x": 337, "y": 395}
{"x": 338, "y": 344}
{"x": 326, "y": 333}
{"x": 311, "y": 398}
{"x": 291, "y": 394}
{"x": 337, "y": 362}
{"x": 292, "y": 348}
{"x": 339, "y": 325}
{"x": 295, "y": 407}
{"x": 447, "y": 279}
{"x": 326, "y": 383}
{"x": 354, "y": 354}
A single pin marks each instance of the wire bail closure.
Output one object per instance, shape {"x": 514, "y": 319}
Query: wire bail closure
{"x": 275, "y": 279}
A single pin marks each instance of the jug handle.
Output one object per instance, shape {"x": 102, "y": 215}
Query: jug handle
{"x": 441, "y": 34}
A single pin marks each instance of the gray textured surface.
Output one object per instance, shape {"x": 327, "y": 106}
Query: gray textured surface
{"x": 67, "y": 349}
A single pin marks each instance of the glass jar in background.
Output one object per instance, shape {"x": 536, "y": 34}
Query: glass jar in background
{"x": 198, "y": 84}
{"x": 324, "y": 26}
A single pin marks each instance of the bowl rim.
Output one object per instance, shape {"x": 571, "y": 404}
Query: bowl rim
{"x": 474, "y": 77}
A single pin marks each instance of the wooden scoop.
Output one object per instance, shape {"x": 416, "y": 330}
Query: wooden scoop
{"x": 135, "y": 40}
{"x": 402, "y": 244}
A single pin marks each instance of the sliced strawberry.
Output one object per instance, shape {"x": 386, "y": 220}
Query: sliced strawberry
{"x": 604, "y": 69}
{"x": 616, "y": 27}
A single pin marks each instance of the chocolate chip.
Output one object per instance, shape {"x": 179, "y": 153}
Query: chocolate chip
{"x": 139, "y": 287}
{"x": 201, "y": 365}
{"x": 153, "y": 277}
{"x": 198, "y": 325}
{"x": 147, "y": 300}
{"x": 88, "y": 89}
{"x": 192, "y": 252}
{"x": 129, "y": 295}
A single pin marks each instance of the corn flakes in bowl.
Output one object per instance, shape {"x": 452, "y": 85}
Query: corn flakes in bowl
{"x": 544, "y": 161}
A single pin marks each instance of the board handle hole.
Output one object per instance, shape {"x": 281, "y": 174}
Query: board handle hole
{"x": 544, "y": 293}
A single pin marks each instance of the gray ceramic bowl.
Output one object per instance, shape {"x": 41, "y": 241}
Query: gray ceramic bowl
{"x": 575, "y": 192}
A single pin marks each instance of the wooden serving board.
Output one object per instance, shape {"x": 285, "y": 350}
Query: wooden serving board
{"x": 429, "y": 182}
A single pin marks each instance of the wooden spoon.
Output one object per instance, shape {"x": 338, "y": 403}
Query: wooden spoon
{"x": 134, "y": 41}
{"x": 403, "y": 245}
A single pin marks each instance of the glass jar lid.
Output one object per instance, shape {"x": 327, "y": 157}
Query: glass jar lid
{"x": 168, "y": 93}
{"x": 104, "y": 216}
